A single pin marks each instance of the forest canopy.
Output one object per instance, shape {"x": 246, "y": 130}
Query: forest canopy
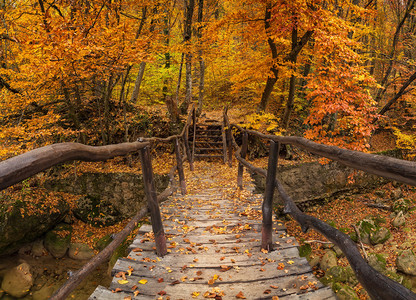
{"x": 98, "y": 72}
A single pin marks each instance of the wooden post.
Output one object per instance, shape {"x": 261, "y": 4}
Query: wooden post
{"x": 149, "y": 187}
{"x": 194, "y": 133}
{"x": 267, "y": 207}
{"x": 180, "y": 166}
{"x": 187, "y": 149}
{"x": 229, "y": 145}
{"x": 240, "y": 165}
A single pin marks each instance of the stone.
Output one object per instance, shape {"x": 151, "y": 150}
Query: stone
{"x": 380, "y": 236}
{"x": 399, "y": 220}
{"x": 329, "y": 260}
{"x": 344, "y": 292}
{"x": 314, "y": 261}
{"x": 57, "y": 240}
{"x": 80, "y": 251}
{"x": 365, "y": 227}
{"x": 18, "y": 281}
{"x": 305, "y": 250}
{"x": 377, "y": 261}
{"x": 396, "y": 194}
{"x": 17, "y": 230}
{"x": 103, "y": 242}
{"x": 337, "y": 274}
{"x": 44, "y": 293}
{"x": 338, "y": 251}
{"x": 406, "y": 262}
{"x": 38, "y": 249}
{"x": 402, "y": 205}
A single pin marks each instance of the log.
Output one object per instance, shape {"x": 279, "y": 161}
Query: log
{"x": 64, "y": 291}
{"x": 18, "y": 168}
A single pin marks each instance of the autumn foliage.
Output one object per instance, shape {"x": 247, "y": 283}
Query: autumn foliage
{"x": 332, "y": 71}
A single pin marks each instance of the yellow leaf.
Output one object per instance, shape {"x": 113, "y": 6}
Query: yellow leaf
{"x": 290, "y": 262}
{"x": 143, "y": 281}
{"x": 195, "y": 294}
{"x": 122, "y": 281}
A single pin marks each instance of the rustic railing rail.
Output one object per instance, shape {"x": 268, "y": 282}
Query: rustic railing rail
{"x": 377, "y": 285}
{"x": 23, "y": 166}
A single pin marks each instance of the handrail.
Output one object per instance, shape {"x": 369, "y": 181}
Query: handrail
{"x": 18, "y": 168}
{"x": 23, "y": 166}
{"x": 377, "y": 285}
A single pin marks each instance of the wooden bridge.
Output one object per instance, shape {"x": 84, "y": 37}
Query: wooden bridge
{"x": 213, "y": 237}
{"x": 212, "y": 241}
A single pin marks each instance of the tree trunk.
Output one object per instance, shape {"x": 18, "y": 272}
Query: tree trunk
{"x": 270, "y": 80}
{"x": 201, "y": 60}
{"x": 189, "y": 12}
{"x": 139, "y": 79}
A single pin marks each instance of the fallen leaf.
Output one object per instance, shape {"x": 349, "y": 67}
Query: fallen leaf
{"x": 195, "y": 294}
{"x": 134, "y": 287}
{"x": 160, "y": 280}
{"x": 162, "y": 293}
{"x": 143, "y": 281}
{"x": 175, "y": 282}
{"x": 267, "y": 291}
{"x": 122, "y": 281}
{"x": 275, "y": 298}
{"x": 127, "y": 298}
{"x": 240, "y": 295}
{"x": 290, "y": 262}
{"x": 116, "y": 290}
{"x": 274, "y": 286}
{"x": 136, "y": 293}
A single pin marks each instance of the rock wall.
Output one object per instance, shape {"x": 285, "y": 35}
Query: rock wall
{"x": 306, "y": 182}
{"x": 124, "y": 191}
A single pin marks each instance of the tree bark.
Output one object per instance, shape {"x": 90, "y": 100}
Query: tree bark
{"x": 138, "y": 82}
{"x": 189, "y": 12}
{"x": 201, "y": 59}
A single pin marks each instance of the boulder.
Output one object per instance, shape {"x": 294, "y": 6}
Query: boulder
{"x": 380, "y": 235}
{"x": 337, "y": 274}
{"x": 57, "y": 240}
{"x": 103, "y": 242}
{"x": 38, "y": 249}
{"x": 344, "y": 292}
{"x": 406, "y": 262}
{"x": 329, "y": 260}
{"x": 399, "y": 220}
{"x": 377, "y": 261}
{"x": 18, "y": 281}
{"x": 402, "y": 205}
{"x": 365, "y": 227}
{"x": 18, "y": 227}
{"x": 80, "y": 251}
{"x": 44, "y": 293}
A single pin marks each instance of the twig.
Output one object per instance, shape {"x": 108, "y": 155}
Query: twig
{"x": 381, "y": 206}
{"x": 361, "y": 243}
{"x": 317, "y": 241}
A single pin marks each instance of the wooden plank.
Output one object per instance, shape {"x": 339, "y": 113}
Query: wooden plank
{"x": 102, "y": 293}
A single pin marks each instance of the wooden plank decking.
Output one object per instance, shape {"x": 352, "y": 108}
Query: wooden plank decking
{"x": 214, "y": 252}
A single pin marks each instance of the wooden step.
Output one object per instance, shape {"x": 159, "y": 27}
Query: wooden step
{"x": 208, "y": 155}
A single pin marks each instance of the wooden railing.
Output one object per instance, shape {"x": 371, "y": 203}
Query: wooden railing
{"x": 23, "y": 166}
{"x": 376, "y": 284}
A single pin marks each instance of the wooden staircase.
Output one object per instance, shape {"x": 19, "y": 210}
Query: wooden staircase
{"x": 208, "y": 140}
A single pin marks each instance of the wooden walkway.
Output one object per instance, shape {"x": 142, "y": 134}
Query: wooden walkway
{"x": 213, "y": 241}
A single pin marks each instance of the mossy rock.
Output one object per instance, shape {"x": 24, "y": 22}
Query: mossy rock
{"x": 121, "y": 251}
{"x": 329, "y": 260}
{"x": 344, "y": 292}
{"x": 18, "y": 227}
{"x": 380, "y": 236}
{"x": 103, "y": 242}
{"x": 57, "y": 241}
{"x": 402, "y": 205}
{"x": 97, "y": 212}
{"x": 366, "y": 227}
{"x": 337, "y": 274}
{"x": 378, "y": 261}
{"x": 305, "y": 250}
